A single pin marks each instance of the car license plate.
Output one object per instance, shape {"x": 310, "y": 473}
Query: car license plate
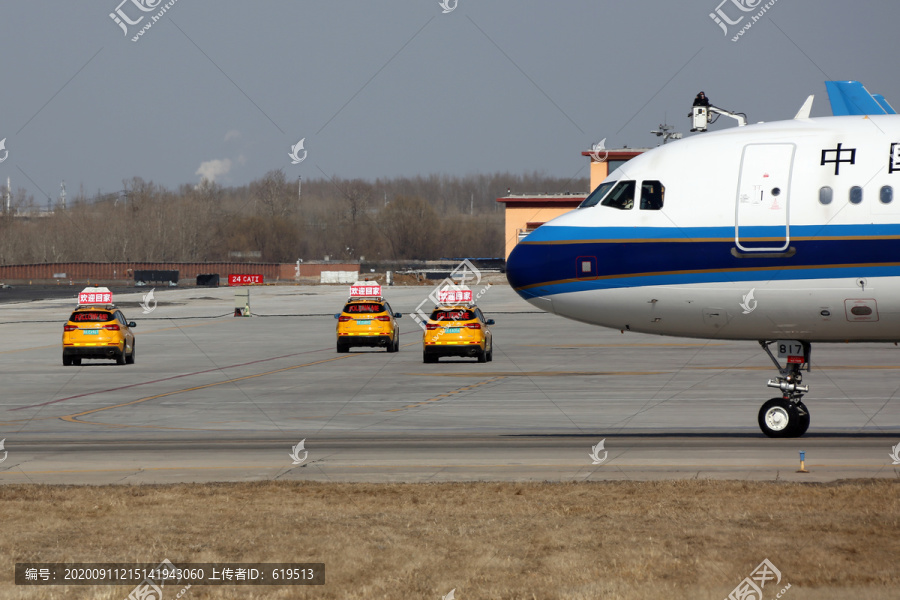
{"x": 364, "y": 321}
{"x": 453, "y": 329}
{"x": 90, "y": 331}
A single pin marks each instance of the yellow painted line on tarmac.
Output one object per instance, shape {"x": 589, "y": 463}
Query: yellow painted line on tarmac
{"x": 815, "y": 368}
{"x": 854, "y": 367}
{"x": 138, "y": 334}
{"x": 619, "y": 345}
{"x": 59, "y": 345}
{"x": 450, "y": 394}
{"x": 74, "y": 418}
{"x": 539, "y": 373}
{"x": 206, "y": 322}
{"x": 640, "y": 373}
{"x": 137, "y": 470}
{"x": 425, "y": 467}
{"x": 20, "y": 421}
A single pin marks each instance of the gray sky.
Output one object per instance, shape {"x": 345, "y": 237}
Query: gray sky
{"x": 397, "y": 87}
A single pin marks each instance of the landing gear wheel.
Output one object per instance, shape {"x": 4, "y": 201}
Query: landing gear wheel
{"x": 780, "y": 418}
{"x": 787, "y": 416}
{"x": 802, "y": 419}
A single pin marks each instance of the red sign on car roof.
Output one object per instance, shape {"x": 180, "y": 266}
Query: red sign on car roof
{"x": 95, "y": 295}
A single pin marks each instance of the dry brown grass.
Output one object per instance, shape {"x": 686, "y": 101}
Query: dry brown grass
{"x": 673, "y": 539}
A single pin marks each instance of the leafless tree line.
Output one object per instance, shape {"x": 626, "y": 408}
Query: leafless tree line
{"x": 273, "y": 219}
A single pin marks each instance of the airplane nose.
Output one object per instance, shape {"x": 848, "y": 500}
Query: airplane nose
{"x": 516, "y": 268}
{"x": 524, "y": 267}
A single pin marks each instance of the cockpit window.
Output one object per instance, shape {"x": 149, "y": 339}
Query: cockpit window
{"x": 621, "y": 196}
{"x": 652, "y": 195}
{"x": 597, "y": 195}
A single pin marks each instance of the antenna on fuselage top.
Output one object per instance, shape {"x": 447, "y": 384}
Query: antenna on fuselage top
{"x": 666, "y": 133}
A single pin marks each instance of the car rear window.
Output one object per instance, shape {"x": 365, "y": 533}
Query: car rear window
{"x": 365, "y": 307}
{"x": 452, "y": 315}
{"x": 91, "y": 317}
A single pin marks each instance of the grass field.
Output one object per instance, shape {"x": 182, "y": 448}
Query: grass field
{"x": 679, "y": 539}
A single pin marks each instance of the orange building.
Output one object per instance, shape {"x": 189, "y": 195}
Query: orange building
{"x": 526, "y": 212}
{"x": 614, "y": 159}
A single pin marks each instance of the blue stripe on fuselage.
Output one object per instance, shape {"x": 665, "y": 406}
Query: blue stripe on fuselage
{"x": 666, "y": 256}
{"x": 551, "y": 233}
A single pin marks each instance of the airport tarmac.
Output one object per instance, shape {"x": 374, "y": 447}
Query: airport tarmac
{"x": 218, "y": 398}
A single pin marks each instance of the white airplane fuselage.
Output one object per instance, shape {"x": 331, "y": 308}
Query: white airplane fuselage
{"x": 749, "y": 243}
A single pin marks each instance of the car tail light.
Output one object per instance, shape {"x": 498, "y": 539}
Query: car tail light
{"x": 70, "y": 327}
{"x": 343, "y": 319}
{"x": 431, "y": 326}
{"x": 111, "y": 327}
{"x": 474, "y": 325}
{"x": 382, "y": 318}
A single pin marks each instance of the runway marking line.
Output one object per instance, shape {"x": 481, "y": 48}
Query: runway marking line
{"x": 816, "y": 367}
{"x": 450, "y": 394}
{"x": 639, "y": 373}
{"x": 681, "y": 468}
{"x": 620, "y": 345}
{"x": 29, "y": 349}
{"x": 142, "y": 333}
{"x": 125, "y": 387}
{"x": 502, "y": 374}
{"x": 74, "y": 418}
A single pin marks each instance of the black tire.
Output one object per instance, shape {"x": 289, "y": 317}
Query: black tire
{"x": 802, "y": 419}
{"x": 67, "y": 362}
{"x": 397, "y": 343}
{"x": 490, "y": 354}
{"x": 120, "y": 358}
{"x": 341, "y": 348}
{"x": 780, "y": 418}
{"x": 429, "y": 358}
{"x": 394, "y": 345}
{"x": 482, "y": 356}
{"x": 76, "y": 362}
{"x": 129, "y": 360}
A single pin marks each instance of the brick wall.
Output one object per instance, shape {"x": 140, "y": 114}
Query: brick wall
{"x": 124, "y": 271}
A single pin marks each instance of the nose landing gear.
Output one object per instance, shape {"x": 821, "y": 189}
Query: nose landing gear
{"x": 787, "y": 416}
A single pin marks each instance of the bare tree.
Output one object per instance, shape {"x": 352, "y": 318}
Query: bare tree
{"x": 419, "y": 217}
{"x": 411, "y": 227}
{"x": 273, "y": 195}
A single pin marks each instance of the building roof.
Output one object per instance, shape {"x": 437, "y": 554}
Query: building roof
{"x": 618, "y": 154}
{"x": 548, "y": 200}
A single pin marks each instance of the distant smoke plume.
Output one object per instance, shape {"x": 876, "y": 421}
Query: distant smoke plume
{"x": 211, "y": 169}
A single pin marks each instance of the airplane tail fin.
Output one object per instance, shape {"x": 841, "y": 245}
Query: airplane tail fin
{"x": 852, "y": 98}
{"x": 888, "y": 109}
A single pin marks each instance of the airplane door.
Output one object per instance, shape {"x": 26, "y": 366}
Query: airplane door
{"x": 761, "y": 211}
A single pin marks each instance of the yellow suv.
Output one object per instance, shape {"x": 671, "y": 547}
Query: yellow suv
{"x": 98, "y": 332}
{"x": 368, "y": 322}
{"x": 458, "y": 330}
